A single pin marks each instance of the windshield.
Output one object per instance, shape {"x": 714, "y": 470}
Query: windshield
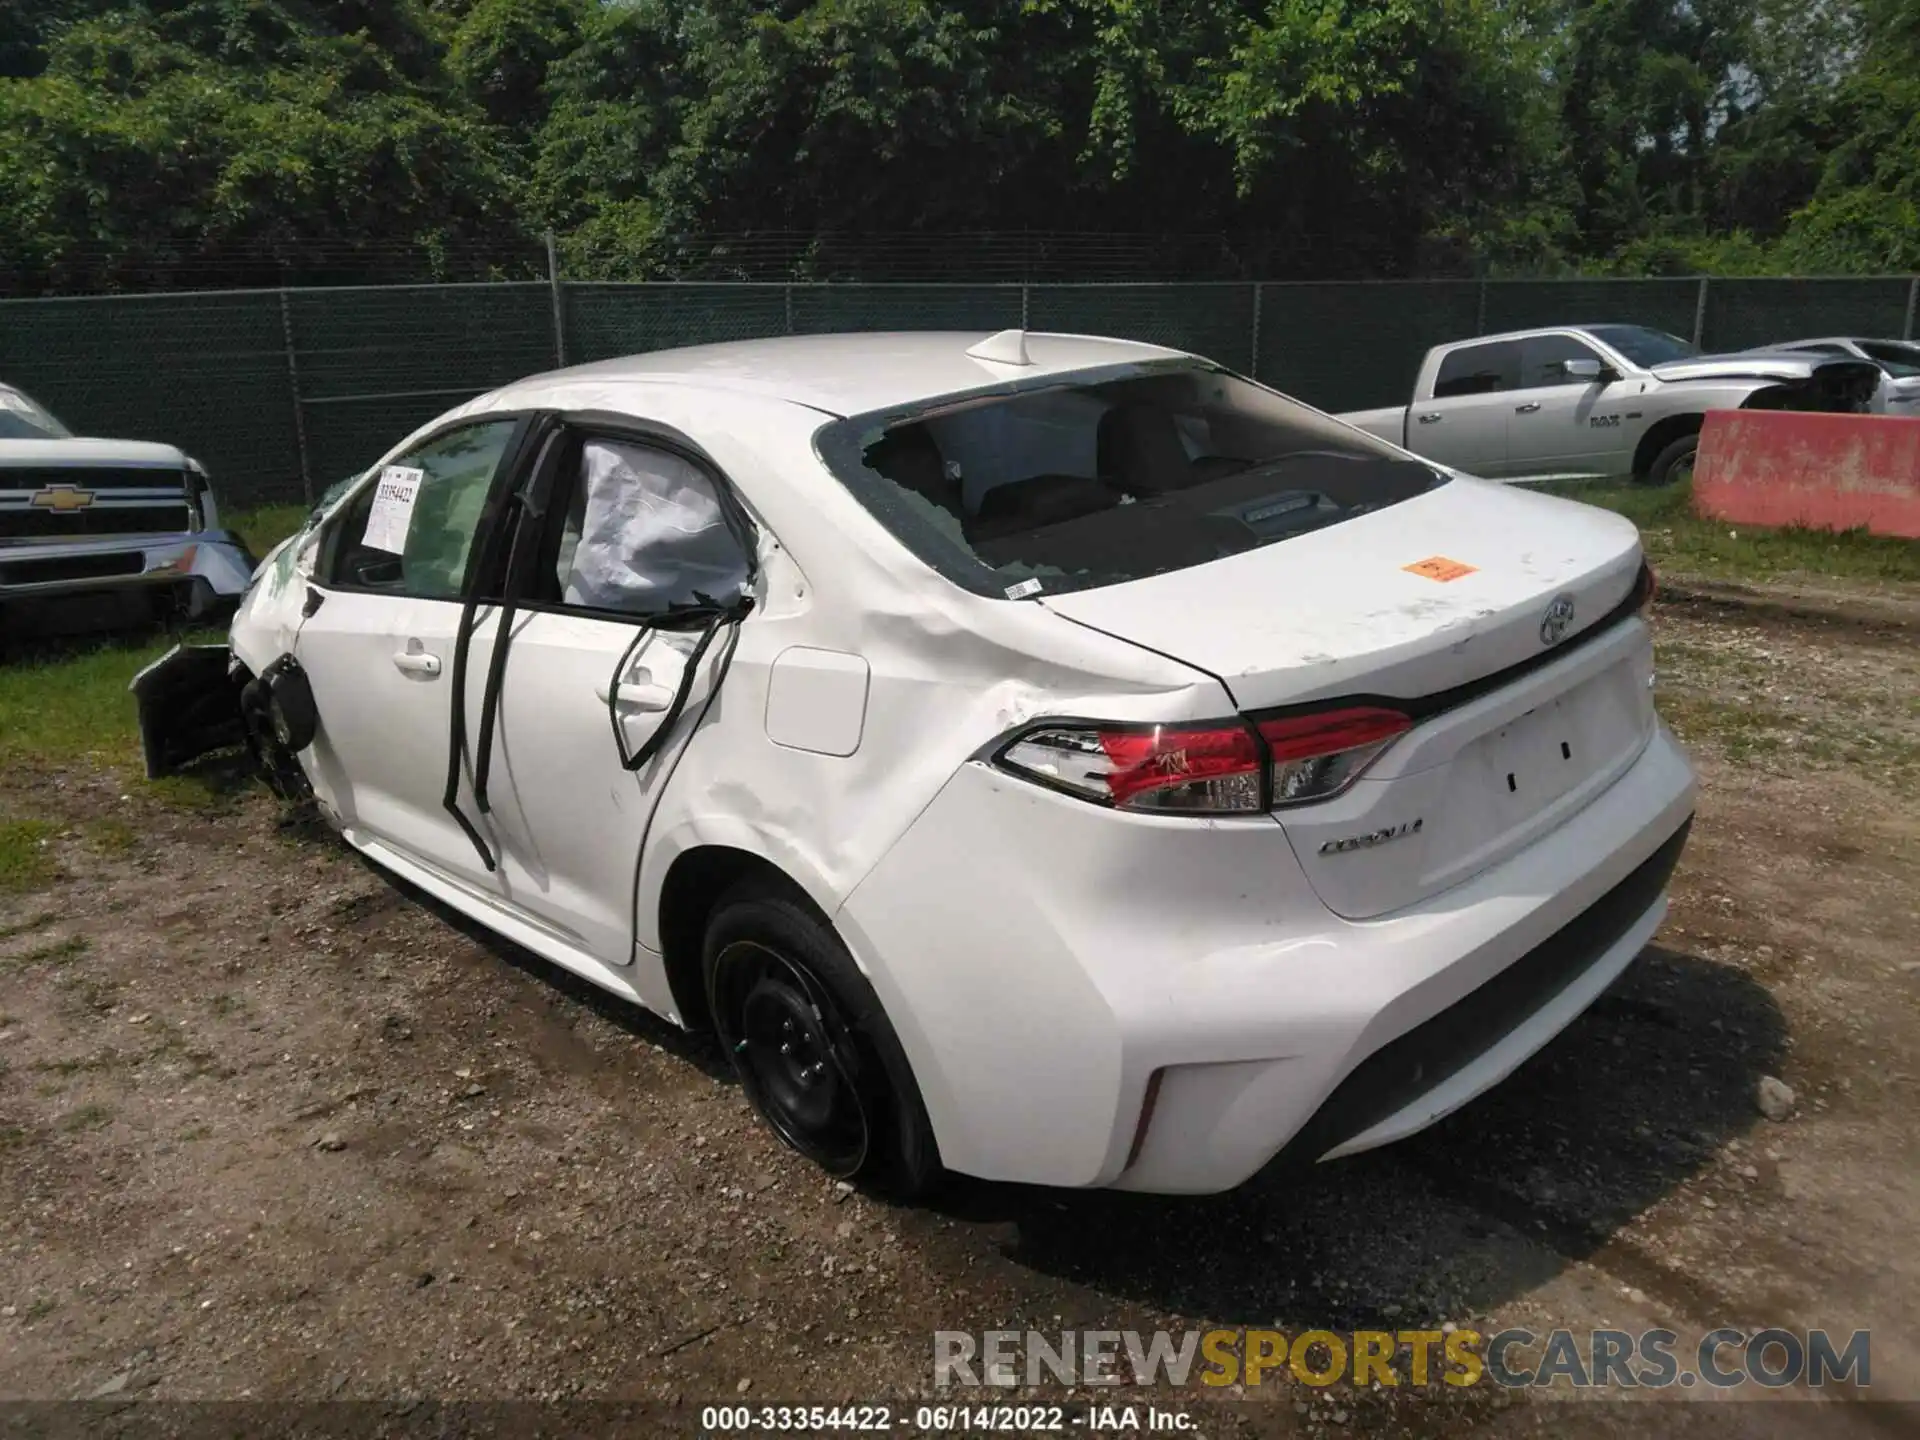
{"x": 22, "y": 419}
{"x": 1899, "y": 361}
{"x": 1110, "y": 476}
{"x": 1645, "y": 348}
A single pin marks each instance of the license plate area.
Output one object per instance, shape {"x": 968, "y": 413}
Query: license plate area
{"x": 1538, "y": 758}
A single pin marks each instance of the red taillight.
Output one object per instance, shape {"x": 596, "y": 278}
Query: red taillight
{"x": 1219, "y": 769}
{"x": 1302, "y": 737}
{"x": 1187, "y": 762}
{"x": 1171, "y": 769}
{"x": 1320, "y": 754}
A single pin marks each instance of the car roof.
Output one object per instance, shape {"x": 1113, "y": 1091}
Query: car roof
{"x": 1534, "y": 331}
{"x": 848, "y": 374}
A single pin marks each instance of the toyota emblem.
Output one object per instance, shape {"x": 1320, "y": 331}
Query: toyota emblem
{"x": 1557, "y": 621}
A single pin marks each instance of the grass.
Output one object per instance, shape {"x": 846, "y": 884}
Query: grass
{"x": 1686, "y": 543}
{"x": 27, "y": 926}
{"x": 111, "y": 835}
{"x": 57, "y": 952}
{"x": 87, "y": 1117}
{"x": 24, "y": 861}
{"x": 266, "y": 526}
{"x": 75, "y": 706}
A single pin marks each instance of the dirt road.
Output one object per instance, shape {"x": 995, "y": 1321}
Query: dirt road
{"x": 271, "y": 1127}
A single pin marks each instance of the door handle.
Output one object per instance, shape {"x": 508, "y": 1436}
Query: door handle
{"x": 1526, "y": 409}
{"x": 416, "y": 662}
{"x": 637, "y": 697}
{"x": 1430, "y": 418}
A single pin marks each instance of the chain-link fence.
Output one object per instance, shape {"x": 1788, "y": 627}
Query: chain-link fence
{"x": 282, "y": 392}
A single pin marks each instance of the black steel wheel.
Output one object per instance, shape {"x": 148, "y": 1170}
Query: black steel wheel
{"x": 814, "y": 1051}
{"x": 789, "y": 1056}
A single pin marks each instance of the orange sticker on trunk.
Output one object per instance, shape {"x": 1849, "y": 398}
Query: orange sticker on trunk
{"x": 1439, "y": 567}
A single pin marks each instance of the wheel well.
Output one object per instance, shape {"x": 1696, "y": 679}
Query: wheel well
{"x": 1661, "y": 436}
{"x": 693, "y": 887}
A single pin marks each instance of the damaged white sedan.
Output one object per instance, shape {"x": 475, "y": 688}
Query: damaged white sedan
{"x": 1046, "y": 758}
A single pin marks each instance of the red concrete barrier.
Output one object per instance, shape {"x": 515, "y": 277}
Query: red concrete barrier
{"x": 1828, "y": 472}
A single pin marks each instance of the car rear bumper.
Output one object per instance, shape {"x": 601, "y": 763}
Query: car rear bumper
{"x": 1095, "y": 999}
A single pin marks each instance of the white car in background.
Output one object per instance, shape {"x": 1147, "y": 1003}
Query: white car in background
{"x": 101, "y": 532}
{"x": 1898, "y": 361}
{"x": 1049, "y": 758}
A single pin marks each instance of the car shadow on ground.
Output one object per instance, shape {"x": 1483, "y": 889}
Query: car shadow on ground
{"x": 697, "y": 1050}
{"x": 1628, "y": 1104}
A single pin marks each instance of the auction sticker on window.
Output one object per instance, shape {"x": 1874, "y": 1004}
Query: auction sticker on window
{"x": 1437, "y": 567}
{"x": 392, "y": 512}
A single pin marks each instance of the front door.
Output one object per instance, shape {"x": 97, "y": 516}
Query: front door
{"x": 594, "y": 676}
{"x": 1558, "y": 425}
{"x": 378, "y": 648}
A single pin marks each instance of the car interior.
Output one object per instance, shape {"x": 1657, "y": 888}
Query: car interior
{"x": 1142, "y": 474}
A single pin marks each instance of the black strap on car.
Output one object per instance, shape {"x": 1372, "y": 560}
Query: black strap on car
{"x": 495, "y": 527}
{"x": 534, "y": 501}
{"x": 716, "y": 615}
{"x": 515, "y": 520}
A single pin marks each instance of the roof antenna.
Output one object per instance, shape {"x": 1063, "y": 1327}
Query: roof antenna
{"x": 1009, "y": 347}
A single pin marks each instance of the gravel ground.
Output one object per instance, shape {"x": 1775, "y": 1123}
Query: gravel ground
{"x": 274, "y": 1128}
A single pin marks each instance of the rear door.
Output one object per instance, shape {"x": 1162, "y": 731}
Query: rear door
{"x": 1464, "y": 423}
{"x": 378, "y": 649}
{"x": 594, "y": 679}
{"x": 1558, "y": 425}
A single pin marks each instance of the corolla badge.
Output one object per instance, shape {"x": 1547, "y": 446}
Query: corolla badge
{"x": 1349, "y": 843}
{"x": 1558, "y": 619}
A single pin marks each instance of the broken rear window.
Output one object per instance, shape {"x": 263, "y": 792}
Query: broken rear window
{"x": 1110, "y": 476}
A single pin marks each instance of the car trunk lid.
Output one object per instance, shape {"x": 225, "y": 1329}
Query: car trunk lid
{"x": 1494, "y": 617}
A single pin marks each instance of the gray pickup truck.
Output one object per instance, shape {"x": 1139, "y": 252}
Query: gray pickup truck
{"x": 1598, "y": 400}
{"x": 98, "y": 533}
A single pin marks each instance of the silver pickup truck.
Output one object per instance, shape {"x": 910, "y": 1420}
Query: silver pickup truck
{"x": 98, "y": 533}
{"x": 1597, "y": 400}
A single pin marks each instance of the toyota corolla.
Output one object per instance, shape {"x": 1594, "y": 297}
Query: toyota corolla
{"x": 1046, "y": 758}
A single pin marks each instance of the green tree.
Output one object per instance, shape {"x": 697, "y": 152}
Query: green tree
{"x": 216, "y": 133}
{"x": 1865, "y": 215}
{"x": 501, "y": 52}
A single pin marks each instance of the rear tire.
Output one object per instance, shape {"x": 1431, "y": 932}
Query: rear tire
{"x": 815, "y": 1053}
{"x": 1675, "y": 463}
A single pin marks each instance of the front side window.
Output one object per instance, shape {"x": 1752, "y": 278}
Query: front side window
{"x": 1478, "y": 370}
{"x": 1078, "y": 482}
{"x": 410, "y": 529}
{"x": 1543, "y": 360}
{"x": 645, "y": 530}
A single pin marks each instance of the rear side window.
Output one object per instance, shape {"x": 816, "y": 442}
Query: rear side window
{"x": 644, "y": 530}
{"x": 410, "y": 531}
{"x": 1478, "y": 370}
{"x": 1069, "y": 484}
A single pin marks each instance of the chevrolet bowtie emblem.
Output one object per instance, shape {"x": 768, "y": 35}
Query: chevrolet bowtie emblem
{"x": 61, "y": 498}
